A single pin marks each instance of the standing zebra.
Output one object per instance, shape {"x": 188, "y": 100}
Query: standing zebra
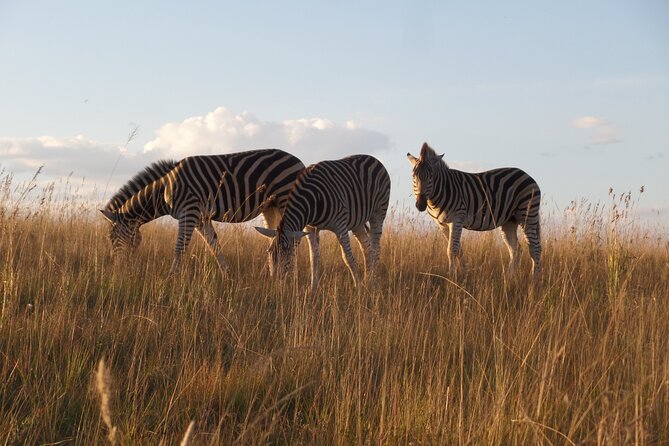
{"x": 230, "y": 188}
{"x": 505, "y": 197}
{"x": 339, "y": 196}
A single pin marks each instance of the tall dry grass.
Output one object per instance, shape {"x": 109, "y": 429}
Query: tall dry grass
{"x": 422, "y": 357}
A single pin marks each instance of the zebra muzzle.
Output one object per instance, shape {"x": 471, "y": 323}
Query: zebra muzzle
{"x": 421, "y": 203}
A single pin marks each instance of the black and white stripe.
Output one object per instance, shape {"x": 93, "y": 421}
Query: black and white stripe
{"x": 231, "y": 188}
{"x": 505, "y": 197}
{"x": 350, "y": 194}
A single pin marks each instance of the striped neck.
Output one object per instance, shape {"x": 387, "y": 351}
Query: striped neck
{"x": 441, "y": 186}
{"x": 144, "y": 178}
{"x": 141, "y": 197}
{"x": 147, "y": 204}
{"x": 300, "y": 209}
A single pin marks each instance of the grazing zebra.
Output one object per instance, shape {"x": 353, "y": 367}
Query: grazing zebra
{"x": 339, "y": 196}
{"x": 230, "y": 188}
{"x": 505, "y": 197}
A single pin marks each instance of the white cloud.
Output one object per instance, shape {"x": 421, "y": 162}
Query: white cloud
{"x": 221, "y": 131}
{"x": 603, "y": 131}
{"x": 311, "y": 139}
{"x": 80, "y": 167}
{"x": 587, "y": 122}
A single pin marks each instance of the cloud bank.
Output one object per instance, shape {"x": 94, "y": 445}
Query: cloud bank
{"x": 105, "y": 166}
{"x": 221, "y": 131}
{"x": 76, "y": 155}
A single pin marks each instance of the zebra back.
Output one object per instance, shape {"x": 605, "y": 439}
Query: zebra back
{"x": 488, "y": 199}
{"x": 341, "y": 193}
{"x": 233, "y": 187}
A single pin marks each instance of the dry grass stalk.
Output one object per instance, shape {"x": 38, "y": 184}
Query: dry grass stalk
{"x": 102, "y": 385}
{"x": 189, "y": 432}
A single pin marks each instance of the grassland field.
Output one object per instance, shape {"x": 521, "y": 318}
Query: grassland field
{"x": 419, "y": 356}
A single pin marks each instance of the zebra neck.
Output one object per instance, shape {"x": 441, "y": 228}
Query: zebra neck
{"x": 293, "y": 222}
{"x": 298, "y": 214}
{"x": 146, "y": 205}
{"x": 442, "y": 183}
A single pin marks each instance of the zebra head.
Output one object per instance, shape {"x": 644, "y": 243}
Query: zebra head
{"x": 124, "y": 233}
{"x": 281, "y": 251}
{"x": 423, "y": 174}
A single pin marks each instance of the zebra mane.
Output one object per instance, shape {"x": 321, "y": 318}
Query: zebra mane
{"x": 147, "y": 176}
{"x": 300, "y": 178}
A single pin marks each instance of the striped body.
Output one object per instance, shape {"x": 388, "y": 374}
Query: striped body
{"x": 505, "y": 197}
{"x": 340, "y": 196}
{"x": 230, "y": 188}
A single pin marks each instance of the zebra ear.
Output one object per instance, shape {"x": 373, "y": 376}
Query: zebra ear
{"x": 267, "y": 232}
{"x": 412, "y": 159}
{"x": 426, "y": 152}
{"x": 435, "y": 159}
{"x": 109, "y": 215}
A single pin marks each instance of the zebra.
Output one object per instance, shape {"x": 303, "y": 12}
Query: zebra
{"x": 505, "y": 197}
{"x": 231, "y": 188}
{"x": 349, "y": 194}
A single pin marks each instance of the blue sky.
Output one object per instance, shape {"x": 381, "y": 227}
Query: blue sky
{"x": 575, "y": 93}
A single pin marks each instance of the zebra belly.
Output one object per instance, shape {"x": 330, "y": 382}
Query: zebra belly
{"x": 336, "y": 226}
{"x": 481, "y": 227}
{"x": 471, "y": 222}
{"x": 236, "y": 205}
{"x": 482, "y": 221}
{"x": 234, "y": 216}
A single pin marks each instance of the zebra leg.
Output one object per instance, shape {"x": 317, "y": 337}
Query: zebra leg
{"x": 510, "y": 237}
{"x": 375, "y": 230}
{"x": 208, "y": 233}
{"x": 360, "y": 233}
{"x": 187, "y": 225}
{"x": 314, "y": 255}
{"x": 347, "y": 255}
{"x": 454, "y": 252}
{"x": 446, "y": 230}
{"x": 533, "y": 235}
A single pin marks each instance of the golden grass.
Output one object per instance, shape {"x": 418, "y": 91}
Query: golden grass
{"x": 422, "y": 357}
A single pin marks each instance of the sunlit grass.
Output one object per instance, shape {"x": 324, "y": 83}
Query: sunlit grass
{"x": 420, "y": 356}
